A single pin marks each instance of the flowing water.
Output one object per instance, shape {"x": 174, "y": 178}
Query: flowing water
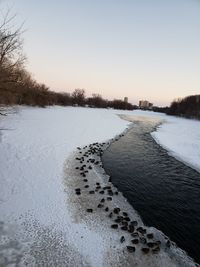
{"x": 164, "y": 191}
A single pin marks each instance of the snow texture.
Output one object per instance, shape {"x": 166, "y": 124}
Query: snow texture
{"x": 36, "y": 225}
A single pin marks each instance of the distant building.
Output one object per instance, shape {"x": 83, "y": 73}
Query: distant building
{"x": 144, "y": 104}
{"x": 126, "y": 99}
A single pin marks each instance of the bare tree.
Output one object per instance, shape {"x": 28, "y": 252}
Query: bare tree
{"x": 11, "y": 55}
{"x": 78, "y": 97}
{"x": 11, "y": 43}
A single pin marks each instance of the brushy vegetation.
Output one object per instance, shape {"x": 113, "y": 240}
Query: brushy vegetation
{"x": 188, "y": 107}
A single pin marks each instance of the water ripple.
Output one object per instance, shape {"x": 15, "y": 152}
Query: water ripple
{"x": 164, "y": 191}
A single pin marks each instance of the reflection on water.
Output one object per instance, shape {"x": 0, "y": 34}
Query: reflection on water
{"x": 164, "y": 191}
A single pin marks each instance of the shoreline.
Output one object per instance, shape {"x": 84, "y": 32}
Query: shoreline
{"x": 37, "y": 228}
{"x": 99, "y": 223}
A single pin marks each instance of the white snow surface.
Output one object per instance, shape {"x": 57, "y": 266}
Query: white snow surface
{"x": 181, "y": 138}
{"x": 34, "y": 145}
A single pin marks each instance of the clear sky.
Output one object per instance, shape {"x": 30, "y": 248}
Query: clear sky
{"x": 142, "y": 49}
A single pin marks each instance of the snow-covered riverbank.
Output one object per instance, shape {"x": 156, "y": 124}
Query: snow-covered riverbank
{"x": 36, "y": 223}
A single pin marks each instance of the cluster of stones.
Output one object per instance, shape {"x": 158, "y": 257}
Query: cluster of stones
{"x": 90, "y": 156}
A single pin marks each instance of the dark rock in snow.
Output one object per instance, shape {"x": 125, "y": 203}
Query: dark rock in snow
{"x": 116, "y": 210}
{"x": 110, "y": 215}
{"x": 150, "y": 236}
{"x": 150, "y": 244}
{"x": 130, "y": 249}
{"x": 135, "y": 241}
{"x": 114, "y": 226}
{"x": 135, "y": 223}
{"x": 89, "y": 210}
{"x": 145, "y": 250}
{"x": 131, "y": 228}
{"x": 122, "y": 239}
{"x": 134, "y": 234}
{"x": 156, "y": 250}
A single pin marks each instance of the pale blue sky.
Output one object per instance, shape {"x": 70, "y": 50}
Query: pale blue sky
{"x": 141, "y": 49}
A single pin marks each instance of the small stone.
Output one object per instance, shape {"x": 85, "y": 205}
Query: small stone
{"x": 141, "y": 230}
{"x": 122, "y": 239}
{"x": 135, "y": 223}
{"x": 106, "y": 187}
{"x": 150, "y": 236}
{"x": 125, "y": 214}
{"x": 91, "y": 192}
{"x": 109, "y": 198}
{"x": 130, "y": 249}
{"x": 127, "y": 219}
{"x": 89, "y": 210}
{"x": 110, "y": 193}
{"x": 110, "y": 215}
{"x": 101, "y": 192}
{"x": 131, "y": 228}
{"x": 156, "y": 250}
{"x": 125, "y": 223}
{"x": 125, "y": 228}
{"x": 118, "y": 220}
{"x": 135, "y": 241}
{"x": 100, "y": 206}
{"x": 86, "y": 186}
{"x": 85, "y": 180}
{"x": 77, "y": 189}
{"x": 98, "y": 187}
{"x": 145, "y": 250}
{"x": 134, "y": 235}
{"x": 106, "y": 209}
{"x": 150, "y": 244}
{"x": 114, "y": 226}
{"x": 102, "y": 200}
{"x": 116, "y": 210}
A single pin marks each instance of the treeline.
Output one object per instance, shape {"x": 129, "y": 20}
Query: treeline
{"x": 188, "y": 107}
{"x": 161, "y": 109}
{"x": 17, "y": 87}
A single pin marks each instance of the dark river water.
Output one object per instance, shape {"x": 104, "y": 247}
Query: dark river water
{"x": 164, "y": 191}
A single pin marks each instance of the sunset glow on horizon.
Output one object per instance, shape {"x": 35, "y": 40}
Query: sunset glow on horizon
{"x": 139, "y": 49}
